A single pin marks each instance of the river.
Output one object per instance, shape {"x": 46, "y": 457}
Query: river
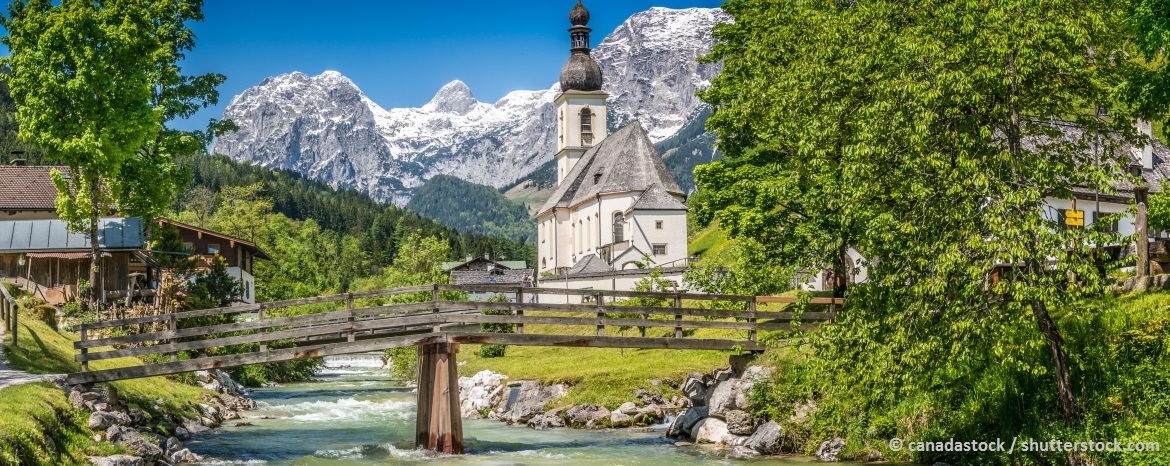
{"x": 354, "y": 414}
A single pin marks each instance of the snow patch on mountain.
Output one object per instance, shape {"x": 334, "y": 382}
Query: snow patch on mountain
{"x": 326, "y": 128}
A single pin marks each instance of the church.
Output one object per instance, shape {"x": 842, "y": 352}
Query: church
{"x": 616, "y": 206}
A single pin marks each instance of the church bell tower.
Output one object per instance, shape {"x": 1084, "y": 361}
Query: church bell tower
{"x": 581, "y": 112}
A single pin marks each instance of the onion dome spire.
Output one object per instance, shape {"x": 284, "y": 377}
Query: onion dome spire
{"x": 581, "y": 72}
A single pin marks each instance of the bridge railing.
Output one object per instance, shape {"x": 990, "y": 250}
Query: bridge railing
{"x": 375, "y": 327}
{"x": 9, "y": 313}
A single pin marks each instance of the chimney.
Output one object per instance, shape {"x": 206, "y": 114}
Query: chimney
{"x": 487, "y": 256}
{"x": 1146, "y": 152}
{"x": 17, "y": 162}
{"x": 468, "y": 258}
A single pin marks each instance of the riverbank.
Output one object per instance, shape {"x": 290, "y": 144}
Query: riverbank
{"x": 356, "y": 414}
{"x": 43, "y": 423}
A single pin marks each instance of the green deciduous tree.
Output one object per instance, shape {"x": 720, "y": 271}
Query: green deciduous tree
{"x": 95, "y": 84}
{"x": 927, "y": 135}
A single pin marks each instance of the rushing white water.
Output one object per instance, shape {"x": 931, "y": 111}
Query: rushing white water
{"x": 354, "y": 414}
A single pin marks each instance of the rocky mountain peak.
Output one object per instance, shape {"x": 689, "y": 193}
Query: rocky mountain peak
{"x": 454, "y": 98}
{"x": 327, "y": 129}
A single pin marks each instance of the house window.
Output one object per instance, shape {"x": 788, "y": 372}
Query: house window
{"x": 1110, "y": 225}
{"x": 658, "y": 224}
{"x": 188, "y": 247}
{"x": 213, "y": 248}
{"x": 618, "y": 229}
{"x": 659, "y": 249}
{"x": 586, "y": 127}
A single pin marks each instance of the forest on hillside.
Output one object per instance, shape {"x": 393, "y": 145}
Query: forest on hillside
{"x": 473, "y": 208}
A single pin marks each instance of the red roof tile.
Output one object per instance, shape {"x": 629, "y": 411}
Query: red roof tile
{"x": 25, "y": 188}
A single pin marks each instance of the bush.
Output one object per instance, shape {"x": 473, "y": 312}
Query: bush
{"x": 403, "y": 362}
{"x": 491, "y": 351}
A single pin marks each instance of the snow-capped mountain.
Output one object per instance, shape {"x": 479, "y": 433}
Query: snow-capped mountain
{"x": 325, "y": 127}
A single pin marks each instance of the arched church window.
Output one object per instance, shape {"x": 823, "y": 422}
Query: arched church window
{"x": 618, "y": 227}
{"x": 586, "y": 127}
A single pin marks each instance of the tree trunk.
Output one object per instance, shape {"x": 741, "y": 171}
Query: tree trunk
{"x": 95, "y": 288}
{"x": 841, "y": 272}
{"x": 1068, "y": 401}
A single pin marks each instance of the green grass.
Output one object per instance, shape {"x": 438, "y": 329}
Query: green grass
{"x": 712, "y": 245}
{"x": 43, "y": 350}
{"x": 32, "y": 413}
{"x": 1160, "y": 131}
{"x": 604, "y": 376}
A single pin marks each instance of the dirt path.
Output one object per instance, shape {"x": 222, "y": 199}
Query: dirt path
{"x": 10, "y": 376}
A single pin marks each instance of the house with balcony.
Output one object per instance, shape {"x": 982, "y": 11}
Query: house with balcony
{"x": 239, "y": 254}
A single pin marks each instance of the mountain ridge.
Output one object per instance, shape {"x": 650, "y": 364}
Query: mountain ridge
{"x": 326, "y": 128}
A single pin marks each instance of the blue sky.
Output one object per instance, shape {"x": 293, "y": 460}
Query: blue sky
{"x": 399, "y": 52}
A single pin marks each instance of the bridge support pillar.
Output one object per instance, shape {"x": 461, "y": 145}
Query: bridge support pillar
{"x": 439, "y": 426}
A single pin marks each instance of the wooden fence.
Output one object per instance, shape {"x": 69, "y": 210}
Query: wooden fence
{"x": 432, "y": 318}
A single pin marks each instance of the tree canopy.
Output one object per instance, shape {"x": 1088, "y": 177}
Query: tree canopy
{"x": 927, "y": 135}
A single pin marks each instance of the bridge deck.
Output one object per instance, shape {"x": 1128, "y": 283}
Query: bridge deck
{"x": 445, "y": 317}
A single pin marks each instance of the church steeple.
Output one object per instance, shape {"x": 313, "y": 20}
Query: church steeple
{"x": 581, "y": 112}
{"x": 581, "y": 72}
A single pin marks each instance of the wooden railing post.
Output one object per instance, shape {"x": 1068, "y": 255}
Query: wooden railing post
{"x": 600, "y": 315}
{"x": 84, "y": 350}
{"x": 678, "y": 331}
{"x": 520, "y": 309}
{"x": 14, "y": 311}
{"x": 4, "y": 313}
{"x": 349, "y": 306}
{"x": 435, "y": 309}
{"x": 752, "y": 319}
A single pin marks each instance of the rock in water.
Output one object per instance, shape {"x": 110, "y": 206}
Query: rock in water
{"x": 549, "y": 420}
{"x": 587, "y": 415}
{"x": 116, "y": 460}
{"x": 620, "y": 419}
{"x": 744, "y": 453}
{"x": 530, "y": 400}
{"x": 709, "y": 430}
{"x": 722, "y": 398}
{"x": 479, "y": 393}
{"x": 830, "y": 450}
{"x": 628, "y": 408}
{"x": 684, "y": 422}
{"x": 768, "y": 439}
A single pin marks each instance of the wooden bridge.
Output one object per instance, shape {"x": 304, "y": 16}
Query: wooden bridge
{"x": 436, "y": 319}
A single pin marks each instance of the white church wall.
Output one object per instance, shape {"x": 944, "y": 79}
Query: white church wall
{"x": 672, "y": 234}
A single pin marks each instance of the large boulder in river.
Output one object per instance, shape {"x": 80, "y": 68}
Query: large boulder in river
{"x": 768, "y": 439}
{"x": 709, "y": 430}
{"x": 529, "y": 400}
{"x": 681, "y": 427}
{"x": 587, "y": 415}
{"x": 722, "y": 398}
{"x": 479, "y": 393}
{"x": 620, "y": 419}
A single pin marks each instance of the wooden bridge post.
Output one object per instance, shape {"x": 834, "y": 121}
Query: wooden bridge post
{"x": 520, "y": 309}
{"x": 438, "y": 426}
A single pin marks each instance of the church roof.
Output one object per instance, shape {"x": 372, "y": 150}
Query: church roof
{"x": 657, "y": 198}
{"x": 590, "y": 264}
{"x": 623, "y": 162}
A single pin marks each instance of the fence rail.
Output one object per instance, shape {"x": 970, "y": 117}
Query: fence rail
{"x": 355, "y": 329}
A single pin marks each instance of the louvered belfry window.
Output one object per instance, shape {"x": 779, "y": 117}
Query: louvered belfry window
{"x": 586, "y": 127}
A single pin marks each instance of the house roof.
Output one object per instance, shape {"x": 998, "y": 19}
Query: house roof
{"x": 25, "y": 188}
{"x": 623, "y": 162}
{"x": 496, "y": 277}
{"x": 590, "y": 264}
{"x": 17, "y": 236}
{"x": 657, "y": 198}
{"x": 250, "y": 246}
{"x": 1074, "y": 133}
{"x": 512, "y": 265}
